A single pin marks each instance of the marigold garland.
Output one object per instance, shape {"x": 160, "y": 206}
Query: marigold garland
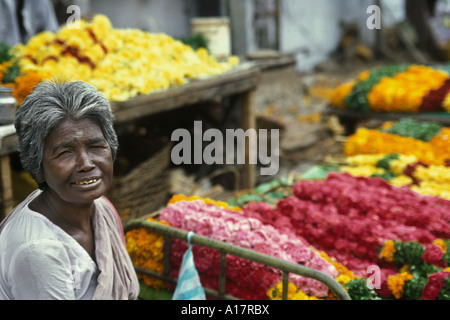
{"x": 370, "y": 141}
{"x": 146, "y": 250}
{"x": 395, "y": 88}
{"x": 404, "y": 171}
{"x": 181, "y": 197}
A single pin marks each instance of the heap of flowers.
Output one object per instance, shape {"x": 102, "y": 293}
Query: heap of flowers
{"x": 11, "y": 76}
{"x": 245, "y": 279}
{"x": 350, "y": 218}
{"x": 121, "y": 63}
{"x": 423, "y": 271}
{"x": 146, "y": 250}
{"x": 396, "y": 88}
{"x": 341, "y": 225}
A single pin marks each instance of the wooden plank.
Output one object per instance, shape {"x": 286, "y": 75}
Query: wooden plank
{"x": 8, "y": 144}
{"x": 6, "y": 186}
{"x": 214, "y": 88}
{"x": 248, "y": 122}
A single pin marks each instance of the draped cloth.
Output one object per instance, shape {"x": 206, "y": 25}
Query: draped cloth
{"x": 117, "y": 278}
{"x": 31, "y": 241}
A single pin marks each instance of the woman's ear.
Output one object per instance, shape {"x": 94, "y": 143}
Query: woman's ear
{"x": 39, "y": 180}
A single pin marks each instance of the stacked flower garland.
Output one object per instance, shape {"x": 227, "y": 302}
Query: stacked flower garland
{"x": 121, "y": 63}
{"x": 341, "y": 226}
{"x": 423, "y": 270}
{"x": 245, "y": 279}
{"x": 401, "y": 170}
{"x": 430, "y": 146}
{"x": 396, "y": 88}
{"x": 351, "y": 218}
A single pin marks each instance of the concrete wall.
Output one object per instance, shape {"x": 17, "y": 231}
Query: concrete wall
{"x": 309, "y": 29}
{"x": 168, "y": 16}
{"x": 312, "y": 29}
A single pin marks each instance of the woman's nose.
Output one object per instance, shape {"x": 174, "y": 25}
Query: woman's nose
{"x": 84, "y": 161}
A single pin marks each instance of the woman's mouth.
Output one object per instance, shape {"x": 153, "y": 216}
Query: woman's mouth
{"x": 87, "y": 182}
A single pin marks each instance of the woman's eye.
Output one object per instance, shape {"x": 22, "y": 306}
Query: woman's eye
{"x": 63, "y": 153}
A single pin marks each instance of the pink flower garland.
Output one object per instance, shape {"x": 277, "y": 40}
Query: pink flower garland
{"x": 245, "y": 279}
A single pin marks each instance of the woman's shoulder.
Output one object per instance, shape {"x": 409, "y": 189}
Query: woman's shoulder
{"x": 25, "y": 227}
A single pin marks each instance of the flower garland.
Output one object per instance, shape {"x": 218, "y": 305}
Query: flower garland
{"x": 401, "y": 170}
{"x": 121, "y": 63}
{"x": 371, "y": 141}
{"x": 181, "y": 197}
{"x": 244, "y": 278}
{"x": 146, "y": 250}
{"x": 424, "y": 274}
{"x": 395, "y": 88}
{"x": 349, "y": 218}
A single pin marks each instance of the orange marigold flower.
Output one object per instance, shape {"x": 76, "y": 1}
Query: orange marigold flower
{"x": 387, "y": 253}
{"x": 397, "y": 282}
{"x": 24, "y": 85}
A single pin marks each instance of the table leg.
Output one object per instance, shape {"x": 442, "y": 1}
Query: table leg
{"x": 6, "y": 188}
{"x": 248, "y": 122}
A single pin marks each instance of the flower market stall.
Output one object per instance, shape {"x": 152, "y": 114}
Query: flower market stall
{"x": 391, "y": 92}
{"x": 377, "y": 221}
{"x": 141, "y": 73}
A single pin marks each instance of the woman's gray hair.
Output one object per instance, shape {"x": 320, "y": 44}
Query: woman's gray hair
{"x": 47, "y": 106}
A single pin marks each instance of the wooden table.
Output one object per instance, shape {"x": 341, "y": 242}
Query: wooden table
{"x": 8, "y": 145}
{"x": 349, "y": 119}
{"x": 240, "y": 82}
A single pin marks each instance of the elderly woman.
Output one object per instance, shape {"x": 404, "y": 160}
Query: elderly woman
{"x": 65, "y": 240}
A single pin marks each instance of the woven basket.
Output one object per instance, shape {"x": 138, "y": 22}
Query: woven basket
{"x": 145, "y": 188}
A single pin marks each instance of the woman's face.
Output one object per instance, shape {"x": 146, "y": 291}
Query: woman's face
{"x": 77, "y": 162}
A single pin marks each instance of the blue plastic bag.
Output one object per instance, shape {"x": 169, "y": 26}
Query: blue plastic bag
{"x": 188, "y": 286}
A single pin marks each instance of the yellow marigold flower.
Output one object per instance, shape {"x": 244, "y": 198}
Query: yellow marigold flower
{"x": 441, "y": 243}
{"x": 446, "y": 102}
{"x": 345, "y": 275}
{"x": 340, "y": 93}
{"x": 388, "y": 250}
{"x": 276, "y": 293}
{"x": 397, "y": 282}
{"x": 180, "y": 197}
{"x": 363, "y": 75}
{"x": 401, "y": 181}
{"x": 362, "y": 170}
{"x": 101, "y": 26}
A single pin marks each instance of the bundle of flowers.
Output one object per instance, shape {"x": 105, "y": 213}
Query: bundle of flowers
{"x": 396, "y": 88}
{"x": 424, "y": 271}
{"x": 12, "y": 77}
{"x": 401, "y": 170}
{"x": 245, "y": 279}
{"x": 146, "y": 250}
{"x": 349, "y": 218}
{"x": 121, "y": 63}
{"x": 372, "y": 141}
